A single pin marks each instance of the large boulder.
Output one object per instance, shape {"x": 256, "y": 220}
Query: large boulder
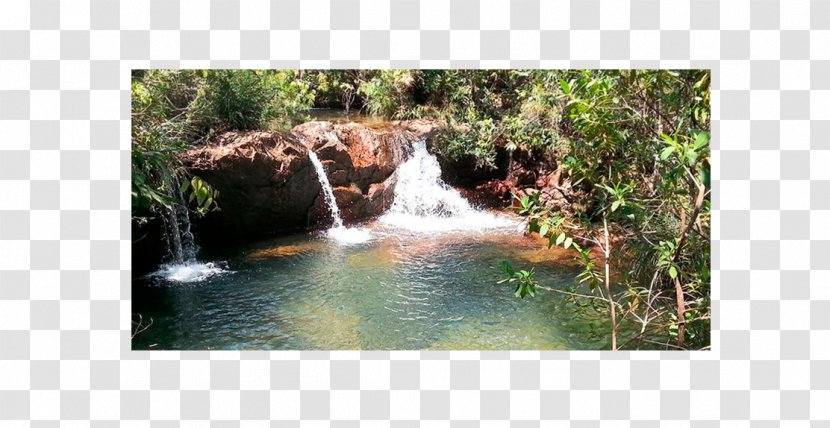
{"x": 267, "y": 183}
{"x": 381, "y": 196}
{"x": 360, "y": 154}
{"x": 360, "y": 161}
{"x": 265, "y": 180}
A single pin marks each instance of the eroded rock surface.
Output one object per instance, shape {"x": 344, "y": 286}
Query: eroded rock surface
{"x": 267, "y": 184}
{"x": 265, "y": 180}
{"x": 360, "y": 161}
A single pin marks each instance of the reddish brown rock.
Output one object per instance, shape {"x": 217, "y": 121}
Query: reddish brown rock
{"x": 381, "y": 196}
{"x": 351, "y": 202}
{"x": 360, "y": 161}
{"x": 267, "y": 184}
{"x": 265, "y": 180}
{"x": 364, "y": 154}
{"x": 490, "y": 194}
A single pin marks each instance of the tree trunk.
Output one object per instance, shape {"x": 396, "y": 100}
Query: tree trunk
{"x": 681, "y": 312}
{"x": 611, "y": 303}
{"x": 678, "y": 286}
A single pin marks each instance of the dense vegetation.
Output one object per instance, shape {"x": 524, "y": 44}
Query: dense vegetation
{"x": 173, "y": 109}
{"x": 632, "y": 148}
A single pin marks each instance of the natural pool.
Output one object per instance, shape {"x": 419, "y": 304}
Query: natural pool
{"x": 422, "y": 276}
{"x": 399, "y": 290}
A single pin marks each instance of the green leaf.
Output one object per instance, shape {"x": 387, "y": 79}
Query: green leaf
{"x": 705, "y": 175}
{"x": 566, "y": 87}
{"x": 201, "y": 195}
{"x": 673, "y": 272}
{"x": 666, "y": 153}
{"x": 615, "y": 205}
{"x": 568, "y": 242}
{"x": 544, "y": 229}
{"x": 701, "y": 140}
{"x": 560, "y": 239}
{"x": 507, "y": 268}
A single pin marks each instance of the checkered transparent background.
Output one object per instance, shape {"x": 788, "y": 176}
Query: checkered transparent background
{"x": 65, "y": 215}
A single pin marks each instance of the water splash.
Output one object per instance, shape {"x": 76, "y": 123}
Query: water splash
{"x": 349, "y": 235}
{"x": 181, "y": 246}
{"x": 191, "y": 271}
{"x": 338, "y": 232}
{"x": 424, "y": 203}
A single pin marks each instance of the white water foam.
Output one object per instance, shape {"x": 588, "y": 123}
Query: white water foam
{"x": 349, "y": 235}
{"x": 188, "y": 271}
{"x": 424, "y": 203}
{"x": 339, "y": 233}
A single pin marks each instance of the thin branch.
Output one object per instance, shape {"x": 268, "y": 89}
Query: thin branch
{"x": 140, "y": 328}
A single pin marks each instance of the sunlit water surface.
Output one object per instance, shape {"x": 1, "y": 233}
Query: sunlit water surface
{"x": 398, "y": 290}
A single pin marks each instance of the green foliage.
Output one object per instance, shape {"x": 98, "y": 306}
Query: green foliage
{"x": 173, "y": 109}
{"x": 389, "y": 93}
{"x": 635, "y": 143}
{"x": 474, "y": 138}
{"x": 247, "y": 99}
{"x": 529, "y": 205}
{"x": 149, "y": 168}
{"x": 159, "y": 132}
{"x": 525, "y": 284}
{"x": 201, "y": 193}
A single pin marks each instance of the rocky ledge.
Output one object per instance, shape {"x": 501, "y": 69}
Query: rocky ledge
{"x": 267, "y": 183}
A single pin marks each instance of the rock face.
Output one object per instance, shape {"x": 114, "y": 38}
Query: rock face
{"x": 265, "y": 180}
{"x": 519, "y": 173}
{"x": 360, "y": 162}
{"x": 267, "y": 183}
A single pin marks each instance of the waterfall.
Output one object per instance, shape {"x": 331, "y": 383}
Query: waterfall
{"x": 173, "y": 236}
{"x": 328, "y": 193}
{"x": 339, "y": 233}
{"x": 424, "y": 203}
{"x": 180, "y": 242}
{"x": 188, "y": 241}
{"x": 420, "y": 190}
{"x": 181, "y": 245}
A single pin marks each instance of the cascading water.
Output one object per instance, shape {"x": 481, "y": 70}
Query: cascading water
{"x": 328, "y": 193}
{"x": 184, "y": 244}
{"x": 340, "y": 233}
{"x": 183, "y": 266}
{"x": 424, "y": 203}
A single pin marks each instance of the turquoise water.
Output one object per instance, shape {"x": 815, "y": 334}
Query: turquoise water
{"x": 397, "y": 291}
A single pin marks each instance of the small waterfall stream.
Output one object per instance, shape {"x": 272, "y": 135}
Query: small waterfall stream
{"x": 339, "y": 233}
{"x": 328, "y": 193}
{"x": 181, "y": 245}
{"x": 424, "y": 203}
